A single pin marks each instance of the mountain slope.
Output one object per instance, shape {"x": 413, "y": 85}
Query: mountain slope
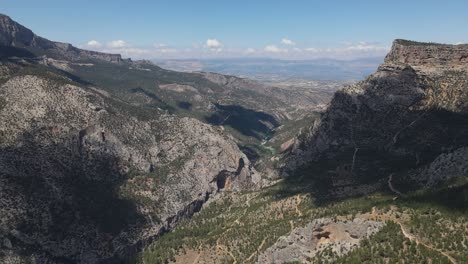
{"x": 248, "y": 110}
{"x": 86, "y": 176}
{"x": 397, "y": 121}
{"x": 19, "y": 40}
{"x": 381, "y": 177}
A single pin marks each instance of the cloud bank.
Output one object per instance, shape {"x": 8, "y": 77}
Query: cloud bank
{"x": 213, "y": 48}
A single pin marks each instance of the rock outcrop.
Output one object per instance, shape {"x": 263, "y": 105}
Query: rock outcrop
{"x": 85, "y": 177}
{"x": 445, "y": 167}
{"x": 303, "y": 244}
{"x": 427, "y": 54}
{"x": 413, "y": 109}
{"x": 15, "y": 35}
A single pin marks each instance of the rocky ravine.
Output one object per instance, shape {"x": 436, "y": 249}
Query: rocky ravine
{"x": 83, "y": 179}
{"x": 398, "y": 120}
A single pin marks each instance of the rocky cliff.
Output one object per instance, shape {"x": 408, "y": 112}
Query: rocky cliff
{"x": 398, "y": 120}
{"x": 87, "y": 176}
{"x": 15, "y": 35}
{"x": 428, "y": 54}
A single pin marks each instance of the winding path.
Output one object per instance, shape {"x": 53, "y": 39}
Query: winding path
{"x": 291, "y": 223}
{"x": 406, "y": 234}
{"x": 257, "y": 251}
{"x": 298, "y": 202}
{"x": 390, "y": 185}
{"x": 419, "y": 242}
{"x": 224, "y": 248}
{"x": 198, "y": 256}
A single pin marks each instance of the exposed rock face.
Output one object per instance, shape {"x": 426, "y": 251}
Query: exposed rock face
{"x": 83, "y": 179}
{"x": 304, "y": 243}
{"x": 13, "y": 34}
{"x": 445, "y": 167}
{"x": 427, "y": 54}
{"x": 87, "y": 176}
{"x": 414, "y": 108}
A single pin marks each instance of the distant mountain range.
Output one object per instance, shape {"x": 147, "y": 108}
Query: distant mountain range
{"x": 262, "y": 68}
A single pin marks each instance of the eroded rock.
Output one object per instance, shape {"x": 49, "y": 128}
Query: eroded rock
{"x": 304, "y": 243}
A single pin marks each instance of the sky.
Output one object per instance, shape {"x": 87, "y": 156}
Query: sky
{"x": 292, "y": 29}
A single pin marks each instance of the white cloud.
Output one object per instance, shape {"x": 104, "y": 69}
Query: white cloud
{"x": 312, "y": 50}
{"x": 459, "y": 43}
{"x": 289, "y": 42}
{"x": 168, "y": 50}
{"x": 129, "y": 52}
{"x": 274, "y": 49}
{"x": 365, "y": 46}
{"x": 117, "y": 44}
{"x": 163, "y": 48}
{"x": 159, "y": 45}
{"x": 213, "y": 48}
{"x": 213, "y": 43}
{"x": 93, "y": 44}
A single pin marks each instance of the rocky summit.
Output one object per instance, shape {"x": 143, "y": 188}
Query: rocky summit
{"x": 428, "y": 54}
{"x": 14, "y": 36}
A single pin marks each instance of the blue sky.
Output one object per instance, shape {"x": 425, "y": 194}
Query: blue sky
{"x": 292, "y": 29}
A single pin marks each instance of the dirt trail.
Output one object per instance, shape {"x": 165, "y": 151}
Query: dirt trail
{"x": 374, "y": 214}
{"x": 390, "y": 185}
{"x": 419, "y": 242}
{"x": 395, "y": 137}
{"x": 291, "y": 223}
{"x": 257, "y": 251}
{"x": 223, "y": 248}
{"x": 406, "y": 234}
{"x": 298, "y": 202}
{"x": 198, "y": 255}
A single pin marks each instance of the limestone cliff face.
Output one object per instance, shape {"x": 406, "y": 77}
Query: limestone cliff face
{"x": 13, "y": 34}
{"x": 84, "y": 178}
{"x": 414, "y": 108}
{"x": 428, "y": 54}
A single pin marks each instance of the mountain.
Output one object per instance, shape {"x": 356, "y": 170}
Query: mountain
{"x": 273, "y": 69}
{"x": 380, "y": 177}
{"x": 109, "y": 160}
{"x": 87, "y": 174}
{"x": 15, "y": 39}
{"x": 400, "y": 122}
{"x": 249, "y": 110}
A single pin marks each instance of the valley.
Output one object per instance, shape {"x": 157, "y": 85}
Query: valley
{"x": 104, "y": 159}
{"x": 250, "y": 224}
